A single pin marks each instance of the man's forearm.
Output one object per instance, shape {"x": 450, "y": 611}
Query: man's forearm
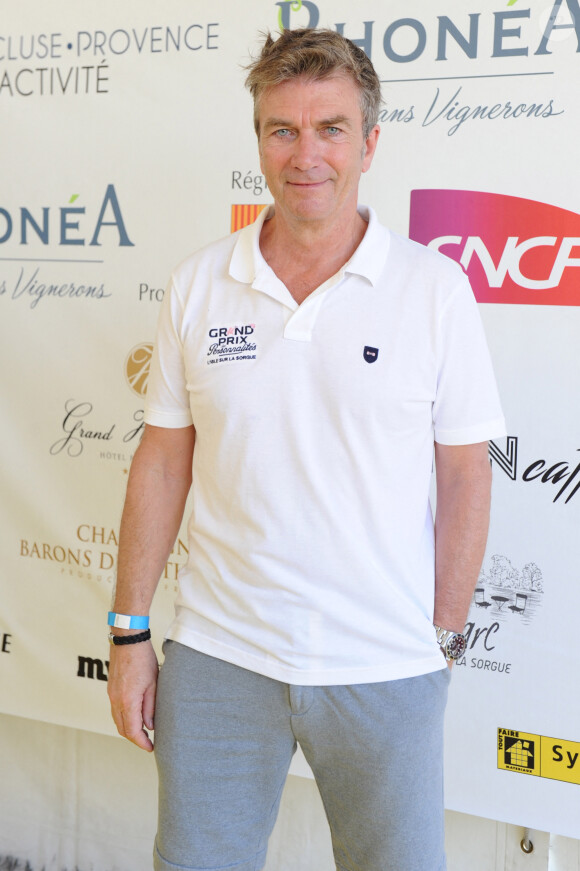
{"x": 461, "y": 526}
{"x": 156, "y": 495}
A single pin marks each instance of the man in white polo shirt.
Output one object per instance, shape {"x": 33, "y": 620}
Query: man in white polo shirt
{"x": 306, "y": 370}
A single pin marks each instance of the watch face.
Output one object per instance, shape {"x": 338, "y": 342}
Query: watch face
{"x": 456, "y": 646}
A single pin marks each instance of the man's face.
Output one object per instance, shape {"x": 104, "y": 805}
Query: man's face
{"x": 312, "y": 149}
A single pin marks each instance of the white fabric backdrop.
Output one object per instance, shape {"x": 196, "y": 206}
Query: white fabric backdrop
{"x": 126, "y": 139}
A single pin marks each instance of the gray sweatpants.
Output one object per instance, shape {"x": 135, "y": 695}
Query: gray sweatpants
{"x": 224, "y": 739}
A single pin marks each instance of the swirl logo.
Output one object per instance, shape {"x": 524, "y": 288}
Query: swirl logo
{"x": 137, "y": 367}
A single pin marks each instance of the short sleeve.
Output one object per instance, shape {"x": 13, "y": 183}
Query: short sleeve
{"x": 167, "y": 398}
{"x": 467, "y": 407}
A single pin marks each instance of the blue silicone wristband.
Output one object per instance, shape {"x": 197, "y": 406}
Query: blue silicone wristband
{"x": 126, "y": 621}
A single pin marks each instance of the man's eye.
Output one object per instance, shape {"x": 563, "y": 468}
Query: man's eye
{"x": 332, "y": 130}
{"x": 282, "y": 132}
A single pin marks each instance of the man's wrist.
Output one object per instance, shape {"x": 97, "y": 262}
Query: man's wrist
{"x": 128, "y": 621}
{"x": 452, "y": 644}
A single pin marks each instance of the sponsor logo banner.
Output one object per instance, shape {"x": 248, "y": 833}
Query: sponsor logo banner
{"x": 406, "y": 40}
{"x": 527, "y": 753}
{"x": 137, "y": 367}
{"x": 5, "y": 642}
{"x": 559, "y": 473}
{"x": 83, "y": 423}
{"x": 506, "y": 599}
{"x": 76, "y": 63}
{"x": 89, "y": 553}
{"x": 513, "y": 250}
{"x": 92, "y": 668}
{"x": 242, "y": 215}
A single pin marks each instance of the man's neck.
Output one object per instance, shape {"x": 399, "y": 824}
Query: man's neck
{"x": 304, "y": 254}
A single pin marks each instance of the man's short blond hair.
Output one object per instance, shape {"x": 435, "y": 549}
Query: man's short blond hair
{"x": 316, "y": 54}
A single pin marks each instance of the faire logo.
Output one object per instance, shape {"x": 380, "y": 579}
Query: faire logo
{"x": 137, "y": 367}
{"x": 513, "y": 250}
{"x": 540, "y": 755}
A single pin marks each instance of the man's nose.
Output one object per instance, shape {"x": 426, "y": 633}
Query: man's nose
{"x": 306, "y": 153}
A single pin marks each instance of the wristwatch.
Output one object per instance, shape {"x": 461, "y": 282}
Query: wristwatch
{"x": 453, "y": 644}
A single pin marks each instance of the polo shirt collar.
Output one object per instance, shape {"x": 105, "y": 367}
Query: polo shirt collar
{"x": 247, "y": 263}
{"x": 371, "y": 255}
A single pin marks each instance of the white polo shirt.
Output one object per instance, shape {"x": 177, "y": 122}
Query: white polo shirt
{"x": 311, "y": 544}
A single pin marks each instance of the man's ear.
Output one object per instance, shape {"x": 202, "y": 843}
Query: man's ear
{"x": 370, "y": 147}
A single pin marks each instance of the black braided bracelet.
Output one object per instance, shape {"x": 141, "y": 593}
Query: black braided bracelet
{"x": 130, "y": 639}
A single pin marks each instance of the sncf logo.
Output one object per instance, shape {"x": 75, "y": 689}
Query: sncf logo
{"x": 513, "y": 250}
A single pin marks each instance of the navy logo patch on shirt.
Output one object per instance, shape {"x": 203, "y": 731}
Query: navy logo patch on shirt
{"x": 370, "y": 354}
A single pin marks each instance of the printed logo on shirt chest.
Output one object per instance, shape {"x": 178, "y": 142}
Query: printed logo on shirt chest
{"x": 232, "y": 343}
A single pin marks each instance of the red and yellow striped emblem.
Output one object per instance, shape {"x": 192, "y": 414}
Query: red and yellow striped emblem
{"x": 244, "y": 215}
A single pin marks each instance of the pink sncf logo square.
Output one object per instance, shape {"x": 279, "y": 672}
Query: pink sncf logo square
{"x": 513, "y": 250}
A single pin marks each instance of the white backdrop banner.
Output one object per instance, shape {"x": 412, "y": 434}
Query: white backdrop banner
{"x": 127, "y": 143}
